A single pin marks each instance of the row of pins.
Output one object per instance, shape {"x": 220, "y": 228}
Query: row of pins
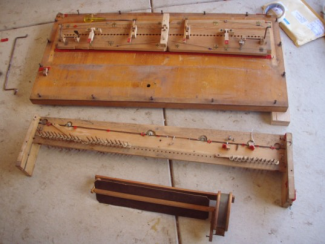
{"x": 253, "y": 160}
{"x": 90, "y": 140}
{"x": 65, "y": 149}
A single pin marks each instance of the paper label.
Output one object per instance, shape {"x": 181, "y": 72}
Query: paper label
{"x": 317, "y": 27}
{"x": 286, "y": 21}
{"x": 299, "y": 17}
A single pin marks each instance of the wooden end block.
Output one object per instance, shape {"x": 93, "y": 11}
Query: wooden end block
{"x": 288, "y": 181}
{"x": 279, "y": 118}
{"x": 27, "y": 155}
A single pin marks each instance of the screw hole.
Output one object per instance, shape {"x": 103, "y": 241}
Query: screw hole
{"x": 148, "y": 85}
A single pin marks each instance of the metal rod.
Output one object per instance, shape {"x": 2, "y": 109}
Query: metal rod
{"x": 24, "y": 26}
{"x": 266, "y": 31}
{"x": 9, "y": 66}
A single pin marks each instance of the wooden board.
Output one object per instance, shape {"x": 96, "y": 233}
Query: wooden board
{"x": 164, "y": 79}
{"x": 229, "y": 148}
{"x": 186, "y": 201}
{"x": 288, "y": 182}
{"x": 168, "y": 200}
{"x": 240, "y": 36}
{"x": 28, "y": 153}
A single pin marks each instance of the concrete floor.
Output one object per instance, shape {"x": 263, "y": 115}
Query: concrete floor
{"x": 56, "y": 206}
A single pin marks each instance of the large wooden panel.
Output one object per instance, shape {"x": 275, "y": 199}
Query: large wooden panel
{"x": 164, "y": 79}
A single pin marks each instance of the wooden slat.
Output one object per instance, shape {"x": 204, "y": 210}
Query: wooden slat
{"x": 288, "y": 182}
{"x": 154, "y": 192}
{"x": 25, "y": 151}
{"x": 210, "y": 195}
{"x": 30, "y": 165}
{"x": 212, "y": 134}
{"x": 153, "y": 200}
{"x": 142, "y": 190}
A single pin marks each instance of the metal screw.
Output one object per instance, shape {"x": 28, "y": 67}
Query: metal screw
{"x": 92, "y": 96}
{"x": 39, "y": 95}
{"x": 230, "y": 138}
{"x": 275, "y": 101}
{"x": 284, "y": 74}
{"x": 203, "y": 138}
{"x": 150, "y": 133}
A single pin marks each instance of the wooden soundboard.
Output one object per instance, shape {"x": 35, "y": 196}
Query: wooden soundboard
{"x": 194, "y": 63}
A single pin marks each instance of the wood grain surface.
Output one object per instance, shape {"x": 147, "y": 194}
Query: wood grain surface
{"x": 171, "y": 80}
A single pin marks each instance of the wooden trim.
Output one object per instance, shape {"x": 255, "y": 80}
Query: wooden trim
{"x": 153, "y": 200}
{"x": 156, "y": 104}
{"x": 210, "y": 195}
{"x": 30, "y": 165}
{"x": 288, "y": 182}
{"x": 23, "y": 157}
{"x": 231, "y": 199}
